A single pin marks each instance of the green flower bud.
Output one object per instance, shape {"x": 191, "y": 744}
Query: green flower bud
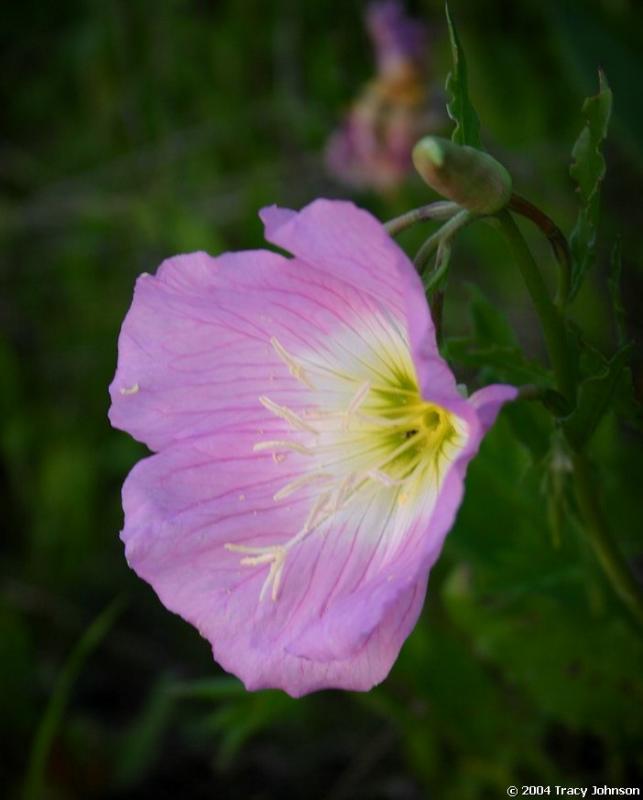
{"x": 469, "y": 177}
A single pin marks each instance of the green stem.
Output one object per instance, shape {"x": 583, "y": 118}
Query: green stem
{"x": 550, "y": 317}
{"x": 435, "y": 279}
{"x": 440, "y": 210}
{"x": 611, "y": 560}
{"x": 434, "y": 285}
{"x": 437, "y": 313}
{"x": 556, "y": 239}
{"x": 609, "y": 557}
{"x": 443, "y": 234}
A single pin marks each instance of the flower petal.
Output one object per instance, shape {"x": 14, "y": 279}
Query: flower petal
{"x": 219, "y": 363}
{"x": 420, "y": 543}
{"x": 488, "y": 402}
{"x": 184, "y": 355}
{"x": 185, "y": 503}
{"x": 351, "y": 245}
{"x": 195, "y": 350}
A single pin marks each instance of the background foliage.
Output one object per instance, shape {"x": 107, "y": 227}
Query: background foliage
{"x": 135, "y": 130}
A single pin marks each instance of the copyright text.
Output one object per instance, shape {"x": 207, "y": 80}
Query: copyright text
{"x": 573, "y": 791}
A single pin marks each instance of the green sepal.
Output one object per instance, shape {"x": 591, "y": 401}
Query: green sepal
{"x": 588, "y": 171}
{"x": 465, "y": 175}
{"x": 459, "y": 106}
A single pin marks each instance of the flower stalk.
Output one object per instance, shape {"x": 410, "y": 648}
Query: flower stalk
{"x": 440, "y": 239}
{"x": 549, "y": 315}
{"x": 610, "y": 558}
{"x": 556, "y": 239}
{"x": 440, "y": 210}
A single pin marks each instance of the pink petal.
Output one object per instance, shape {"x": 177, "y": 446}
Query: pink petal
{"x": 348, "y": 243}
{"x": 488, "y": 402}
{"x": 197, "y": 353}
{"x": 184, "y": 504}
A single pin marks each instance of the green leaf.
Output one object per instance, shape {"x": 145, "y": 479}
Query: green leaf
{"x": 585, "y": 675}
{"x": 502, "y": 362}
{"x": 595, "y": 395}
{"x": 532, "y": 611}
{"x": 238, "y": 714}
{"x": 239, "y": 720}
{"x": 493, "y": 345}
{"x": 555, "y": 402}
{"x": 489, "y": 323}
{"x": 141, "y": 745}
{"x": 459, "y": 106}
{"x": 55, "y": 710}
{"x": 614, "y": 286}
{"x": 531, "y": 425}
{"x": 558, "y": 468}
{"x": 222, "y": 687}
{"x": 588, "y": 170}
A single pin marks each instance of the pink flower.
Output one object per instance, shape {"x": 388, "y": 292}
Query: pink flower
{"x": 310, "y": 447}
{"x": 398, "y": 39}
{"x": 372, "y": 147}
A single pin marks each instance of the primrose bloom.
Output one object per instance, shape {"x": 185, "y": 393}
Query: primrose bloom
{"x": 310, "y": 447}
{"x": 372, "y": 147}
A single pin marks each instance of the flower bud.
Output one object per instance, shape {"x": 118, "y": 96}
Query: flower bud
{"x": 469, "y": 177}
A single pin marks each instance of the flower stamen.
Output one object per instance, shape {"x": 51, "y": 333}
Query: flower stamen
{"x": 298, "y": 483}
{"x": 286, "y": 414}
{"x": 295, "y": 368}
{"x": 356, "y": 403}
{"x": 282, "y": 444}
{"x": 365, "y": 441}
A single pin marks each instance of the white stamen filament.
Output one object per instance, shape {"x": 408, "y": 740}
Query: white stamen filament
{"x": 355, "y": 403}
{"x": 315, "y": 511}
{"x": 295, "y": 368}
{"x": 286, "y": 414}
{"x": 383, "y": 478}
{"x": 298, "y": 483}
{"x": 282, "y": 444}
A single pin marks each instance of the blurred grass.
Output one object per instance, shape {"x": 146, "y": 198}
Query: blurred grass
{"x": 136, "y": 130}
{"x": 34, "y": 786}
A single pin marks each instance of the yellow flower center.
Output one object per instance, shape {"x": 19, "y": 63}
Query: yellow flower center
{"x": 366, "y": 430}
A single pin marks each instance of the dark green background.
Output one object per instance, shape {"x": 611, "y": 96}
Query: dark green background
{"x": 135, "y": 130}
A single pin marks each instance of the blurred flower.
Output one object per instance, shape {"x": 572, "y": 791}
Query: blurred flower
{"x": 310, "y": 447}
{"x": 372, "y": 149}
